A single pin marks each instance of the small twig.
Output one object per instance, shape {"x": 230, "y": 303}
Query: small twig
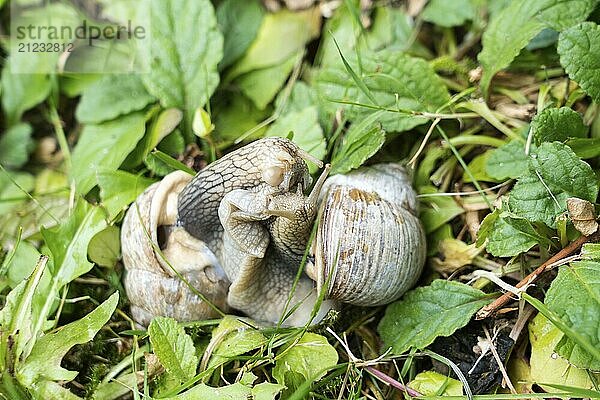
{"x": 413, "y": 160}
{"x": 505, "y": 298}
{"x": 498, "y": 360}
{"x": 392, "y": 382}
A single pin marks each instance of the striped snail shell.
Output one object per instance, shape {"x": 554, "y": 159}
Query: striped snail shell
{"x": 150, "y": 280}
{"x": 370, "y": 247}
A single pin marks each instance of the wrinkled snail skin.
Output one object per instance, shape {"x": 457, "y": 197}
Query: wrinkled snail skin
{"x": 151, "y": 284}
{"x": 272, "y": 165}
{"x": 370, "y": 245}
{"x": 264, "y": 242}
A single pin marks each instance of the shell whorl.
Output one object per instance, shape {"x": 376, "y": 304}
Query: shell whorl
{"x": 370, "y": 246}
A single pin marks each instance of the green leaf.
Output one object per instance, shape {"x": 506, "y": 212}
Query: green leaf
{"x": 511, "y": 30}
{"x": 236, "y": 391}
{"x": 12, "y": 185}
{"x": 508, "y": 161}
{"x": 362, "y": 141}
{"x": 68, "y": 242}
{"x": 261, "y": 85}
{"x": 111, "y": 96}
{"x": 308, "y": 134}
{"x": 49, "y": 390}
{"x": 579, "y": 50}
{"x": 20, "y": 266}
{"x": 163, "y": 125}
{"x": 437, "y": 210}
{"x": 508, "y": 236}
{"x": 233, "y": 338}
{"x": 174, "y": 347}
{"x": 398, "y": 82}
{"x": 239, "y": 21}
{"x": 585, "y": 148}
{"x": 44, "y": 361}
{"x": 545, "y": 366}
{"x": 431, "y": 383}
{"x": 15, "y": 146}
{"x": 308, "y": 359}
{"x": 409, "y": 323}
{"x": 105, "y": 247}
{"x": 448, "y": 14}
{"x": 557, "y": 124}
{"x": 555, "y": 174}
{"x": 20, "y": 92}
{"x": 575, "y": 297}
{"x": 104, "y": 146}
{"x": 185, "y": 50}
{"x": 298, "y": 28}
{"x": 118, "y": 189}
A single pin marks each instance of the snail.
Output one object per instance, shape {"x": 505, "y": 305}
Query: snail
{"x": 151, "y": 284}
{"x": 370, "y": 246}
{"x": 248, "y": 211}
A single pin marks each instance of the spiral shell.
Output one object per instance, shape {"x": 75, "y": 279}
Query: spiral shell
{"x": 150, "y": 280}
{"x": 370, "y": 246}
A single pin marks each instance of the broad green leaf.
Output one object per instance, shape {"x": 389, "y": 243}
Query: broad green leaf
{"x": 590, "y": 252}
{"x": 233, "y": 338}
{"x": 437, "y": 210}
{"x": 118, "y": 189}
{"x": 478, "y": 168}
{"x": 298, "y": 28}
{"x": 428, "y": 312}
{"x": 557, "y": 124}
{"x": 510, "y": 30}
{"x": 104, "y": 146}
{"x": 44, "y": 361}
{"x": 27, "y": 76}
{"x": 261, "y": 85}
{"x": 307, "y": 131}
{"x": 50, "y": 390}
{"x": 575, "y": 297}
{"x": 235, "y": 115}
{"x": 555, "y": 173}
{"x": 185, "y": 49}
{"x": 105, "y": 247}
{"x": 21, "y": 92}
{"x": 579, "y": 50}
{"x": 163, "y": 125}
{"x": 68, "y": 242}
{"x": 239, "y": 21}
{"x": 398, "y": 81}
{"x": 11, "y": 189}
{"x": 545, "y": 366}
{"x": 585, "y": 148}
{"x": 236, "y": 391}
{"x": 21, "y": 264}
{"x": 431, "y": 383}
{"x": 509, "y": 236}
{"x": 449, "y": 14}
{"x": 111, "y": 96}
{"x": 343, "y": 28}
{"x": 15, "y": 145}
{"x": 308, "y": 359}
{"x": 361, "y": 141}
{"x": 174, "y": 347}
{"x": 508, "y": 161}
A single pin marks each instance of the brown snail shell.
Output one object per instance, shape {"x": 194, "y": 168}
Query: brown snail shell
{"x": 370, "y": 246}
{"x": 150, "y": 280}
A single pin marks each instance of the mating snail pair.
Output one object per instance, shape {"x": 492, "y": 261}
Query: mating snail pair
{"x": 238, "y": 230}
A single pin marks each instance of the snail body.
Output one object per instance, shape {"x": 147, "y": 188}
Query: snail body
{"x": 248, "y": 214}
{"x": 264, "y": 243}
